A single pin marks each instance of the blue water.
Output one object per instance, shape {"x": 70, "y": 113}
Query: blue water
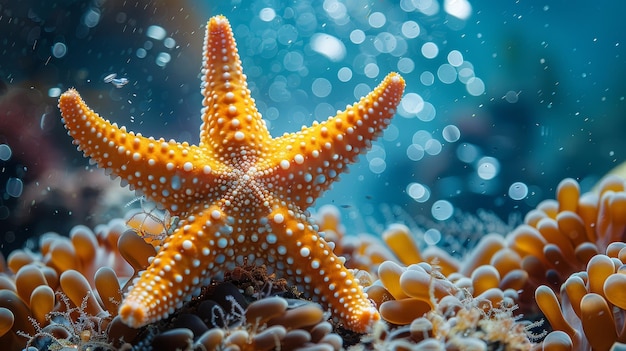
{"x": 503, "y": 99}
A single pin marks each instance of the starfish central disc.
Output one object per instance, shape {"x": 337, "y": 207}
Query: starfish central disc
{"x": 240, "y": 194}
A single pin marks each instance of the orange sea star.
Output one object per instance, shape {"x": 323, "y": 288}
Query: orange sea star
{"x": 240, "y": 194}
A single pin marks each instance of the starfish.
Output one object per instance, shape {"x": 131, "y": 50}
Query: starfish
{"x": 240, "y": 194}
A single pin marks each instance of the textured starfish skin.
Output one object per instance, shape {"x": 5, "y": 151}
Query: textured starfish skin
{"x": 240, "y": 194}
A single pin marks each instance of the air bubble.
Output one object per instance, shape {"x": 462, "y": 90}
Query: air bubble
{"x": 518, "y": 191}
{"x": 141, "y": 53}
{"x": 442, "y": 210}
{"x": 344, "y": 74}
{"x": 321, "y": 87}
{"x": 92, "y": 17}
{"x": 475, "y": 86}
{"x": 421, "y": 137}
{"x": 5, "y": 152}
{"x": 357, "y": 36}
{"x": 328, "y": 46}
{"x": 427, "y": 113}
{"x": 427, "y": 78}
{"x": 427, "y": 7}
{"x": 451, "y": 133}
{"x": 488, "y": 168}
{"x": 465, "y": 74}
{"x": 415, "y": 152}
{"x": 371, "y": 70}
{"x": 360, "y": 90}
{"x": 418, "y": 192}
{"x": 467, "y": 152}
{"x": 455, "y": 58}
{"x": 511, "y": 97}
{"x": 156, "y": 32}
{"x": 335, "y": 9}
{"x": 432, "y": 236}
{"x": 169, "y": 43}
{"x": 293, "y": 61}
{"x": 385, "y": 42}
{"x": 267, "y": 14}
{"x": 377, "y": 19}
{"x": 433, "y": 147}
{"x": 410, "y": 29}
{"x": 377, "y": 165}
{"x": 14, "y": 187}
{"x": 430, "y": 50}
{"x": 460, "y": 9}
{"x": 54, "y": 92}
{"x": 109, "y": 77}
{"x": 412, "y": 103}
{"x": 406, "y": 65}
{"x": 446, "y": 73}
{"x": 162, "y": 59}
{"x": 287, "y": 34}
{"x": 59, "y": 50}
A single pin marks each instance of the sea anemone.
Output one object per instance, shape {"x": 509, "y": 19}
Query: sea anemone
{"x": 565, "y": 263}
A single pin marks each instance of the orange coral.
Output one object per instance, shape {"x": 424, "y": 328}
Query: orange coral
{"x": 566, "y": 260}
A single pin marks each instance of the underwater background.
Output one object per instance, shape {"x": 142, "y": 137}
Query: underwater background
{"x": 503, "y": 99}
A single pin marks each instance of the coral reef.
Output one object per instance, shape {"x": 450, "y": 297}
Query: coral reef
{"x": 564, "y": 263}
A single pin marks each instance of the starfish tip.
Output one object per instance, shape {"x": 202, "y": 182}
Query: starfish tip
{"x": 218, "y": 21}
{"x": 71, "y": 93}
{"x": 364, "y": 322}
{"x": 133, "y": 314}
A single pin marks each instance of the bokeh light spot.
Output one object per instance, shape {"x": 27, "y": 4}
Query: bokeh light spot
{"x": 427, "y": 78}
{"x": 410, "y": 29}
{"x": 412, "y": 103}
{"x": 427, "y": 113}
{"x": 321, "y": 87}
{"x": 415, "y": 152}
{"x": 432, "y": 236}
{"x": 377, "y": 19}
{"x": 430, "y": 50}
{"x": 14, "y": 187}
{"x": 461, "y": 9}
{"x": 418, "y": 192}
{"x": 433, "y": 147}
{"x": 488, "y": 168}
{"x": 455, "y": 58}
{"x": 293, "y": 61}
{"x": 267, "y": 14}
{"x": 5, "y": 152}
{"x": 156, "y": 32}
{"x": 59, "y": 50}
{"x": 475, "y": 86}
{"x": 371, "y": 70}
{"x": 377, "y": 165}
{"x": 518, "y": 191}
{"x": 442, "y": 210}
{"x": 451, "y": 133}
{"x": 446, "y": 73}
{"x": 328, "y": 46}
{"x": 357, "y": 36}
{"x": 406, "y": 65}
{"x": 385, "y": 42}
{"x": 467, "y": 152}
{"x": 344, "y": 74}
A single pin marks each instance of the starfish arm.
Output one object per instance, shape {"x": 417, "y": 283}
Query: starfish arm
{"x": 188, "y": 258}
{"x": 230, "y": 118}
{"x": 310, "y": 260}
{"x": 311, "y": 159}
{"x": 167, "y": 172}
